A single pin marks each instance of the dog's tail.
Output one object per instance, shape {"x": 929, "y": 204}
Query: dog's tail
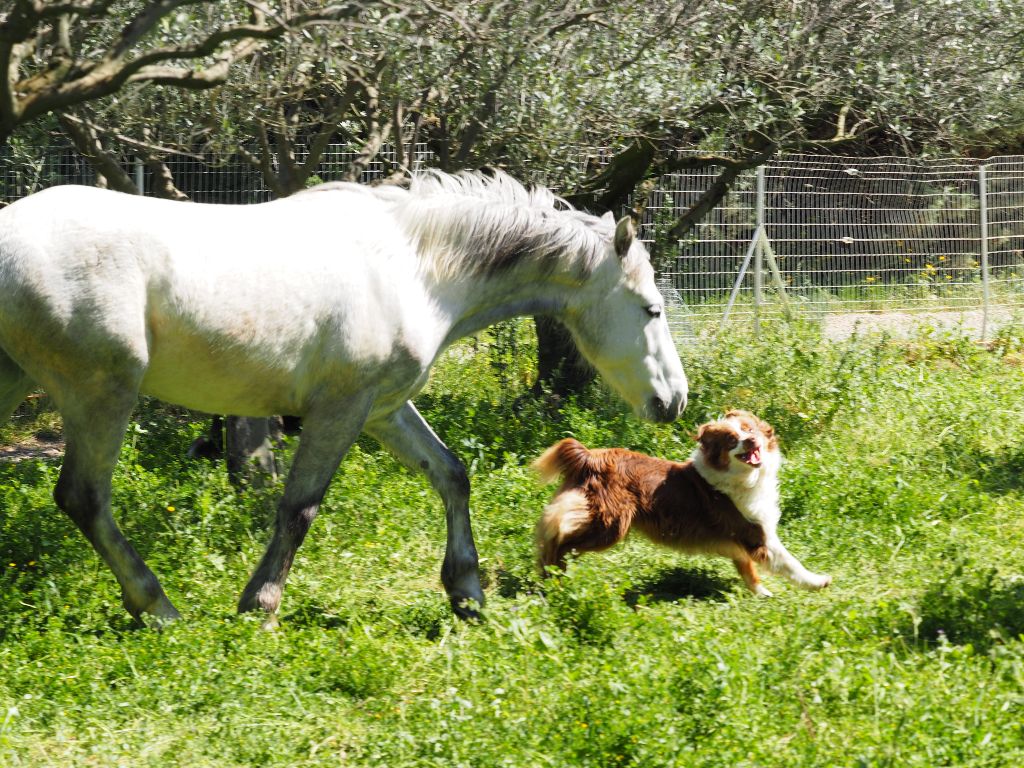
{"x": 567, "y": 458}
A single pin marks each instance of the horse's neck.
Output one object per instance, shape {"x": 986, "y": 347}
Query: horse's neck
{"x": 485, "y": 262}
{"x": 475, "y": 303}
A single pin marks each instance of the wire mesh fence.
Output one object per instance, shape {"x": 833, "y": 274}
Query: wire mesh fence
{"x": 849, "y": 235}
{"x": 203, "y": 177}
{"x": 840, "y": 234}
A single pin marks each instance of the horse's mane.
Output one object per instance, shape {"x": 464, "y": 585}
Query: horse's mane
{"x": 484, "y": 223}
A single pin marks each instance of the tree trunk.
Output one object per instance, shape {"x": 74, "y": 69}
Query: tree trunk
{"x": 561, "y": 369}
{"x": 560, "y": 366}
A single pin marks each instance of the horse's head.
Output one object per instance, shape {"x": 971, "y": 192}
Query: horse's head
{"x": 617, "y": 318}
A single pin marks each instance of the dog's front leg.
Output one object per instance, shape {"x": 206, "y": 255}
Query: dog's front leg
{"x": 782, "y": 562}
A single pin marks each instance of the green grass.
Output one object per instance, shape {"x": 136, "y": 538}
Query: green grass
{"x": 904, "y": 481}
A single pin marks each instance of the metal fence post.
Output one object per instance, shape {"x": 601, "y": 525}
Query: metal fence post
{"x": 759, "y": 233}
{"x": 983, "y": 221}
{"x": 140, "y": 176}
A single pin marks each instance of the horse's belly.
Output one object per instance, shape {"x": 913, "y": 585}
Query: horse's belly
{"x": 220, "y": 384}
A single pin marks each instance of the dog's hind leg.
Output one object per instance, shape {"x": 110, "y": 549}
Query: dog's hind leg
{"x": 746, "y": 568}
{"x": 783, "y": 563}
{"x": 567, "y": 525}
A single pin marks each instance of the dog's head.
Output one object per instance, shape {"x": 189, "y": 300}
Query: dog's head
{"x": 738, "y": 443}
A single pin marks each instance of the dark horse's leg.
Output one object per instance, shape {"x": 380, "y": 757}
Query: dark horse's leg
{"x": 94, "y": 426}
{"x": 14, "y": 385}
{"x": 327, "y": 433}
{"x": 411, "y": 439}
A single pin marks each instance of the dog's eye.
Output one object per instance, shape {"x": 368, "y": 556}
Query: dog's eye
{"x": 654, "y": 310}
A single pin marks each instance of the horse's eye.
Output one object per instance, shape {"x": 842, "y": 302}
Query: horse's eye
{"x": 654, "y": 310}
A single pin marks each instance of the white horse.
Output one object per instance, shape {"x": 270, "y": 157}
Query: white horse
{"x": 105, "y": 295}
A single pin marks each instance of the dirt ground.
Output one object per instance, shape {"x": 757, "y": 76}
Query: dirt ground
{"x": 969, "y": 322}
{"x": 32, "y": 448}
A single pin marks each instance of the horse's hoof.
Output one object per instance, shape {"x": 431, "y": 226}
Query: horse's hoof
{"x": 467, "y": 608}
{"x": 152, "y": 609}
{"x": 159, "y": 622}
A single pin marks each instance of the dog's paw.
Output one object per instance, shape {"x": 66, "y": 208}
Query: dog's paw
{"x": 762, "y": 591}
{"x": 820, "y": 581}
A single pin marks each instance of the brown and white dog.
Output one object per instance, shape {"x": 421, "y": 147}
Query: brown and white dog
{"x": 723, "y": 501}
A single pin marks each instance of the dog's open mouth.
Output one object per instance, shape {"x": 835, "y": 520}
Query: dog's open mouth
{"x": 751, "y": 457}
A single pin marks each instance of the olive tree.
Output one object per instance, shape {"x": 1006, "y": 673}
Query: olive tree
{"x": 58, "y": 54}
{"x": 743, "y": 80}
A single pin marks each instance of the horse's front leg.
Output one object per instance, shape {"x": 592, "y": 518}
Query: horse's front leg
{"x": 411, "y": 439}
{"x": 94, "y": 426}
{"x": 327, "y": 434}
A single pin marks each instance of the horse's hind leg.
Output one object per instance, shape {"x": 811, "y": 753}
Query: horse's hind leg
{"x": 411, "y": 439}
{"x": 326, "y": 437}
{"x": 93, "y": 430}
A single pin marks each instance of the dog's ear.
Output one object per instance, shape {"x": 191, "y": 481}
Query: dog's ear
{"x": 702, "y": 434}
{"x": 769, "y": 434}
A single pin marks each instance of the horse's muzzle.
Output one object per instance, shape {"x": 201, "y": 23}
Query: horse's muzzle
{"x": 663, "y": 411}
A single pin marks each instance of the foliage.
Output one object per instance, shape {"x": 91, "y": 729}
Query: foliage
{"x": 58, "y": 55}
{"x": 903, "y": 480}
{"x": 523, "y": 84}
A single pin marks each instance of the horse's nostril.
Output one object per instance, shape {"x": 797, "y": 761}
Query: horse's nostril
{"x": 662, "y": 411}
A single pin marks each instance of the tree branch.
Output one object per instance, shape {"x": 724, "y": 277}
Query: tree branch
{"x": 718, "y": 188}
{"x": 128, "y": 141}
{"x": 76, "y": 81}
{"x": 88, "y": 144}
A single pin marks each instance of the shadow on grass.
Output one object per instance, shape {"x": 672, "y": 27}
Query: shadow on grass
{"x": 677, "y": 584}
{"x": 979, "y": 608}
{"x": 510, "y": 584}
{"x": 314, "y": 614}
{"x": 996, "y": 472}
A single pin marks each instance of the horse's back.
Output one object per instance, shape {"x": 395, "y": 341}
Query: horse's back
{"x": 83, "y": 236}
{"x": 222, "y": 308}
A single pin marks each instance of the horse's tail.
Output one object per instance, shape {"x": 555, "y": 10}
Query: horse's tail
{"x": 568, "y": 458}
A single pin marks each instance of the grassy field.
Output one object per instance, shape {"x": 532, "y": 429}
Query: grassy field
{"x": 904, "y": 480}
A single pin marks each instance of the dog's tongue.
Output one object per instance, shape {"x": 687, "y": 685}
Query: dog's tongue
{"x": 754, "y": 457}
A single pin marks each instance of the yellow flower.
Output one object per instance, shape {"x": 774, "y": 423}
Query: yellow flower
{"x": 170, "y": 508}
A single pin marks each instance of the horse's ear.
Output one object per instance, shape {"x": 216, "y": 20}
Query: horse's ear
{"x": 625, "y": 234}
